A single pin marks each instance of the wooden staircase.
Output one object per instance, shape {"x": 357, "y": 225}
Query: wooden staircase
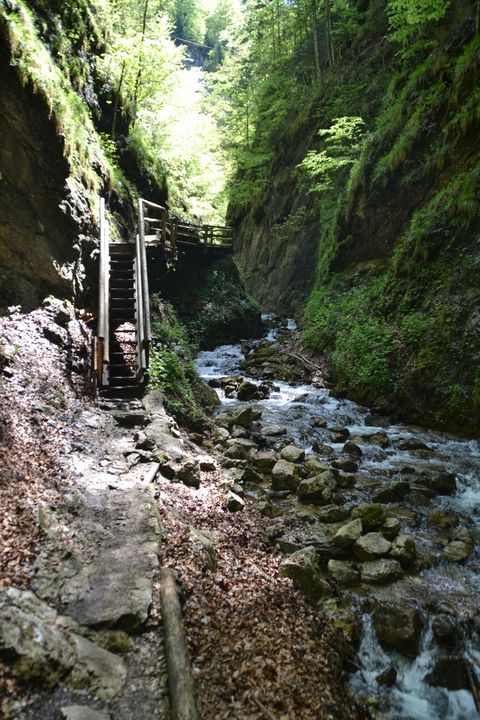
{"x": 123, "y": 332}
{"x": 123, "y": 368}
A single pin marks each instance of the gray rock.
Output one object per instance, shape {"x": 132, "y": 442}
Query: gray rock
{"x": 387, "y": 677}
{"x": 344, "y": 573}
{"x": 207, "y": 463}
{"x": 271, "y": 430}
{"x": 61, "y": 311}
{"x": 340, "y": 434}
{"x": 375, "y": 420}
{"x": 381, "y": 572}
{"x": 457, "y": 550}
{"x": 348, "y": 534}
{"x": 384, "y": 495}
{"x": 273, "y": 532}
{"x": 404, "y": 550}
{"x": 252, "y": 476}
{"x": 332, "y": 514}
{"x": 239, "y": 416}
{"x": 449, "y": 672}
{"x": 264, "y": 460}
{"x": 413, "y": 445}
{"x": 142, "y": 442}
{"x": 220, "y": 434}
{"x": 243, "y": 442}
{"x": 443, "y": 484}
{"x": 315, "y": 466}
{"x": 400, "y": 488}
{"x": 378, "y": 438}
{"x": 319, "y": 423}
{"x": 346, "y": 464}
{"x": 129, "y": 418}
{"x": 189, "y": 473}
{"x": 292, "y": 453}
{"x": 152, "y": 401}
{"x": 246, "y": 390}
{"x": 317, "y": 490}
{"x": 203, "y": 542}
{"x": 159, "y": 436}
{"x": 233, "y": 502}
{"x": 352, "y": 449}
{"x": 371, "y": 515}
{"x": 371, "y": 546}
{"x": 235, "y": 451}
{"x": 81, "y": 712}
{"x": 390, "y": 528}
{"x": 398, "y": 627}
{"x": 302, "y": 567}
{"x": 446, "y": 631}
{"x": 47, "y": 649}
{"x": 284, "y": 476}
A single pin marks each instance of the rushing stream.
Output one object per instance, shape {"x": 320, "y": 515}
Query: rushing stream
{"x": 439, "y": 678}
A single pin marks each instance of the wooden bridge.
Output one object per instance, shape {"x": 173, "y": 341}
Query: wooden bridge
{"x": 158, "y": 227}
{"x": 122, "y": 342}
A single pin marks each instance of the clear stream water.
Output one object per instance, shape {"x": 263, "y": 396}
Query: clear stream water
{"x": 444, "y": 585}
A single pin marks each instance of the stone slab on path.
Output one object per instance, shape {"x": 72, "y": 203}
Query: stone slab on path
{"x": 107, "y": 576}
{"x": 48, "y": 647}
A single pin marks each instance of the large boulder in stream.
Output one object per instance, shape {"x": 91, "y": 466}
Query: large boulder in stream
{"x": 343, "y": 572}
{"x": 372, "y": 515}
{"x": 442, "y": 484}
{"x": 284, "y": 476}
{"x": 292, "y": 453}
{"x": 348, "y": 534}
{"x": 450, "y": 671}
{"x": 404, "y": 550}
{"x": 317, "y": 490}
{"x": 381, "y": 572}
{"x": 398, "y": 627}
{"x": 371, "y": 546}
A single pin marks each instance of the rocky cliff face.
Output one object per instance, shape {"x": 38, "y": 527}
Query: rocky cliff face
{"x": 53, "y": 165}
{"x": 277, "y": 239}
{"x": 43, "y": 220}
{"x": 395, "y": 303}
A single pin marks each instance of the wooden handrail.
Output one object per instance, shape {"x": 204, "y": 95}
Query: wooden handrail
{"x": 144, "y": 330}
{"x": 103, "y": 325}
{"x": 171, "y": 232}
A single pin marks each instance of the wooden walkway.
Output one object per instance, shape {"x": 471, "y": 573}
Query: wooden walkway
{"x": 159, "y": 228}
{"x": 124, "y": 333}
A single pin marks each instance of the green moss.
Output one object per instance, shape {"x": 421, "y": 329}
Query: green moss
{"x": 34, "y": 65}
{"x": 172, "y": 369}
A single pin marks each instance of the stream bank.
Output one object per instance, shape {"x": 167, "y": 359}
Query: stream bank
{"x": 378, "y": 523}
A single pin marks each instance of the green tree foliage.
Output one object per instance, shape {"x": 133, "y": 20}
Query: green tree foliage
{"x": 173, "y": 125}
{"x": 343, "y": 143}
{"x": 412, "y": 18}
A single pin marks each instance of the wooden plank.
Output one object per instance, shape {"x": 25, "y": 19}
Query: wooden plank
{"x": 180, "y": 678}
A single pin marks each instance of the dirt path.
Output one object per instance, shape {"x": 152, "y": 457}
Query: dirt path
{"x": 80, "y": 560}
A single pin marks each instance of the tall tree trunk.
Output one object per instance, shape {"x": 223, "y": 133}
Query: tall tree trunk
{"x": 318, "y": 69}
{"x": 328, "y": 33}
{"x": 477, "y": 18}
{"x": 117, "y": 97}
{"x": 140, "y": 61}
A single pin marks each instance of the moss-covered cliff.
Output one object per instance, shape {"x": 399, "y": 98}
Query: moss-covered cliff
{"x": 55, "y": 159}
{"x": 395, "y": 302}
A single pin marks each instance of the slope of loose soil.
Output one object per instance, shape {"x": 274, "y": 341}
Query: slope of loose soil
{"x": 258, "y": 649}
